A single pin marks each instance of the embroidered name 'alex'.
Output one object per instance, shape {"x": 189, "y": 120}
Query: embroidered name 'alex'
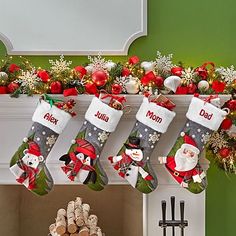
{"x": 206, "y": 115}
{"x": 152, "y": 116}
{"x": 49, "y": 117}
{"x": 101, "y": 116}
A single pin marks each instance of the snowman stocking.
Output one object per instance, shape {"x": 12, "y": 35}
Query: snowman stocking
{"x": 133, "y": 159}
{"x": 182, "y": 162}
{"x": 82, "y": 160}
{"x": 28, "y": 163}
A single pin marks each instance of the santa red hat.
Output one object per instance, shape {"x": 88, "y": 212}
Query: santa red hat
{"x": 34, "y": 149}
{"x": 189, "y": 143}
{"x": 86, "y": 148}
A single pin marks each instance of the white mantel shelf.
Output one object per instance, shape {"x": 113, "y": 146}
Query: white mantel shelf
{"x": 15, "y": 121}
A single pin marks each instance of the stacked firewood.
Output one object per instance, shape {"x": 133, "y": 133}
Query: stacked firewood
{"x": 75, "y": 221}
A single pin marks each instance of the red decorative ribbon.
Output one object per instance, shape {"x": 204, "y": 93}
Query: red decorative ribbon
{"x": 29, "y": 173}
{"x": 75, "y": 167}
{"x": 166, "y": 104}
{"x": 211, "y": 97}
{"x": 202, "y": 70}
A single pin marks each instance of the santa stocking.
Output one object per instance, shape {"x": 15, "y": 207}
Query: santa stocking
{"x": 28, "y": 163}
{"x": 133, "y": 159}
{"x": 82, "y": 160}
{"x": 182, "y": 162}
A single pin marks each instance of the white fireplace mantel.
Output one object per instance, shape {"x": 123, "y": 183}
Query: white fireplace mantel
{"x": 15, "y": 121}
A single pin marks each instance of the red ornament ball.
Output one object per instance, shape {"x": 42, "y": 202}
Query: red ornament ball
{"x": 116, "y": 89}
{"x": 192, "y": 88}
{"x": 226, "y": 124}
{"x": 218, "y": 86}
{"x": 177, "y": 71}
{"x": 99, "y": 78}
{"x": 125, "y": 72}
{"x": 91, "y": 88}
{"x": 159, "y": 81}
{"x": 43, "y": 75}
{"x": 81, "y": 70}
{"x": 12, "y": 87}
{"x": 231, "y": 105}
{"x": 224, "y": 152}
{"x": 56, "y": 87}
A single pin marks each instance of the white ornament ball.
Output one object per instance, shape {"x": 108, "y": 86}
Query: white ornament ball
{"x": 3, "y": 75}
{"x": 89, "y": 69}
{"x": 203, "y": 85}
{"x": 172, "y": 82}
{"x": 148, "y": 66}
{"x": 132, "y": 85}
{"x": 109, "y": 65}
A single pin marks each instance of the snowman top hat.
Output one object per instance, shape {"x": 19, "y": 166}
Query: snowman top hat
{"x": 134, "y": 143}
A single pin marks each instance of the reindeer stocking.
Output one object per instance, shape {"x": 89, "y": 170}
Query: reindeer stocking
{"x": 182, "y": 162}
{"x": 133, "y": 159}
{"x": 28, "y": 163}
{"x": 82, "y": 160}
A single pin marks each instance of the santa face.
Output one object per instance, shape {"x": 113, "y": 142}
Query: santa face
{"x": 86, "y": 160}
{"x": 185, "y": 159}
{"x": 135, "y": 154}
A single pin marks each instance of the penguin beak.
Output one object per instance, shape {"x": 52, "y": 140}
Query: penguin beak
{"x": 83, "y": 161}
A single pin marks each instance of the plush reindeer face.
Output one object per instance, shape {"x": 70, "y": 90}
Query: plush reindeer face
{"x": 31, "y": 160}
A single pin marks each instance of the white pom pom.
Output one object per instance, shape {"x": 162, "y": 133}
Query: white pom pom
{"x": 182, "y": 134}
{"x": 25, "y": 140}
{"x": 73, "y": 141}
{"x": 172, "y": 82}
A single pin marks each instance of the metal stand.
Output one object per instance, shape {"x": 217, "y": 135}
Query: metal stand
{"x": 173, "y": 223}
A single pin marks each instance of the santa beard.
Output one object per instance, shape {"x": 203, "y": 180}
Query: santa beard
{"x": 184, "y": 162}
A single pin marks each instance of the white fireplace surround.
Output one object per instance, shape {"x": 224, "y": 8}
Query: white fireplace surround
{"x": 15, "y": 121}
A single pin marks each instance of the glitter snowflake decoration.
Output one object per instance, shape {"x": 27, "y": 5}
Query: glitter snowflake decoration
{"x": 98, "y": 63}
{"x": 188, "y": 76}
{"x": 102, "y": 137}
{"x": 205, "y": 137}
{"x": 51, "y": 140}
{"x": 60, "y": 66}
{"x": 217, "y": 141}
{"x": 28, "y": 80}
{"x": 163, "y": 64}
{"x": 228, "y": 74}
{"x": 122, "y": 82}
{"x": 154, "y": 137}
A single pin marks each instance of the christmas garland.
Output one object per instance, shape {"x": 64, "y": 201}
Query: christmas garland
{"x": 131, "y": 77}
{"x": 221, "y": 147}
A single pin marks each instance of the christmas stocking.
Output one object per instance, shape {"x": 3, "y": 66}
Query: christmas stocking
{"x": 182, "y": 162}
{"x": 133, "y": 160}
{"x": 81, "y": 163}
{"x": 28, "y": 163}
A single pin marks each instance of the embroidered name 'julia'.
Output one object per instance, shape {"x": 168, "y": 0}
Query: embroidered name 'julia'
{"x": 101, "y": 116}
{"x": 206, "y": 115}
{"x": 49, "y": 117}
{"x": 152, "y": 116}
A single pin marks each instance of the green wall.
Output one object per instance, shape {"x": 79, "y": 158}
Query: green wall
{"x": 195, "y": 32}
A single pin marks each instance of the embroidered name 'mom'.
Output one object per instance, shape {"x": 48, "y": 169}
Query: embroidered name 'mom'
{"x": 154, "y": 117}
{"x": 49, "y": 117}
{"x": 101, "y": 116}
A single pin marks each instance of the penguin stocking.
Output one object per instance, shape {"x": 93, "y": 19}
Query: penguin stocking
{"x": 81, "y": 163}
{"x": 28, "y": 163}
{"x": 133, "y": 160}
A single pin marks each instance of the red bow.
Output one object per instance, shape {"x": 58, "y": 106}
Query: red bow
{"x": 29, "y": 173}
{"x": 75, "y": 167}
{"x": 166, "y": 104}
{"x": 211, "y": 97}
{"x": 202, "y": 70}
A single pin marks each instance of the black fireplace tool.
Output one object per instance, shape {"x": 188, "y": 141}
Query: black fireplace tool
{"x": 164, "y": 223}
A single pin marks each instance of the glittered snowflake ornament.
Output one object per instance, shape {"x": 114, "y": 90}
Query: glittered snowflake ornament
{"x": 28, "y": 164}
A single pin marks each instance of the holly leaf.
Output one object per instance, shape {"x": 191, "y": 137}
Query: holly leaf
{"x": 20, "y": 152}
{"x": 80, "y": 135}
{"x": 99, "y": 184}
{"x": 176, "y": 147}
{"x": 42, "y": 187}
